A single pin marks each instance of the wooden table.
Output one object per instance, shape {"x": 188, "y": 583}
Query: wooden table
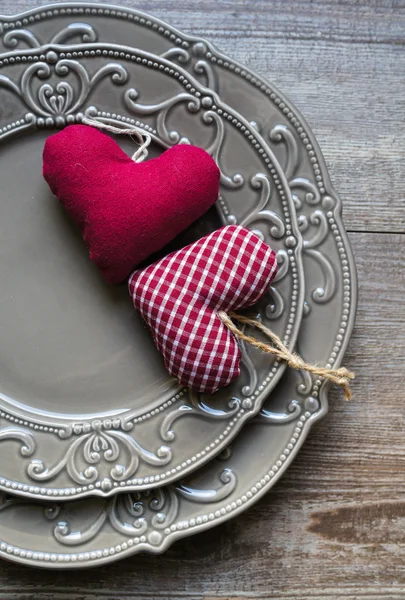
{"x": 334, "y": 527}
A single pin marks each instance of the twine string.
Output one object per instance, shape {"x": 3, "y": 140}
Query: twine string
{"x": 341, "y": 376}
{"x": 144, "y": 139}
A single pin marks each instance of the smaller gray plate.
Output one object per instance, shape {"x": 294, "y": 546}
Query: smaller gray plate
{"x": 83, "y": 390}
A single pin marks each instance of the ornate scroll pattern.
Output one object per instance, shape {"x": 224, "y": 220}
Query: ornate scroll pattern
{"x": 163, "y": 110}
{"x": 86, "y": 34}
{"x": 200, "y": 66}
{"x": 262, "y": 213}
{"x": 235, "y": 181}
{"x": 176, "y": 54}
{"x": 327, "y": 290}
{"x": 307, "y": 191}
{"x": 62, "y": 99}
{"x": 294, "y": 410}
{"x": 228, "y": 483}
{"x": 195, "y": 406}
{"x": 26, "y": 439}
{"x": 135, "y": 514}
{"x": 248, "y": 364}
{"x": 306, "y": 194}
{"x": 147, "y": 512}
{"x": 203, "y": 67}
{"x": 276, "y": 307}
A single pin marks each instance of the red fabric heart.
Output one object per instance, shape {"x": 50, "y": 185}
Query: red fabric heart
{"x": 180, "y": 295}
{"x": 127, "y": 211}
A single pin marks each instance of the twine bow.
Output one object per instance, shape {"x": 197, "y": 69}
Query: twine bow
{"x": 341, "y": 376}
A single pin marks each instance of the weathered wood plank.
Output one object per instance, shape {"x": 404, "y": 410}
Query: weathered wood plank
{"x": 341, "y": 63}
{"x": 341, "y": 90}
{"x": 371, "y": 21}
{"x": 334, "y": 527}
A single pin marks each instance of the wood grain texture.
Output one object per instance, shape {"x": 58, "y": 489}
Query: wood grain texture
{"x": 334, "y": 527}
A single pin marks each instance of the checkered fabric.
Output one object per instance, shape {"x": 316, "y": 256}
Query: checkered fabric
{"x": 180, "y": 295}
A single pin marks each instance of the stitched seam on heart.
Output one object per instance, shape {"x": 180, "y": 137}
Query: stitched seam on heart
{"x": 156, "y": 291}
{"x": 168, "y": 267}
{"x": 167, "y": 270}
{"x": 201, "y": 258}
{"x": 253, "y": 256}
{"x": 220, "y": 300}
{"x": 258, "y": 246}
{"x": 234, "y": 235}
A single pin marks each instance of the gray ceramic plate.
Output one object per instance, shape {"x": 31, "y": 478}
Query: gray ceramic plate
{"x": 95, "y": 531}
{"x": 86, "y": 405}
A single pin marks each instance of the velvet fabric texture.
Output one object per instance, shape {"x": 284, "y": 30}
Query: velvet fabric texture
{"x": 180, "y": 295}
{"x": 127, "y": 211}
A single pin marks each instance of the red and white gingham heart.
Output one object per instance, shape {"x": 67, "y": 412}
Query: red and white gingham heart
{"x": 180, "y": 295}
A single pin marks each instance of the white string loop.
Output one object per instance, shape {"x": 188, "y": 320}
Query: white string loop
{"x": 144, "y": 139}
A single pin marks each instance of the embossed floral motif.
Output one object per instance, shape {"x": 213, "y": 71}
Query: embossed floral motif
{"x": 262, "y": 213}
{"x": 54, "y": 103}
{"x": 94, "y": 448}
{"x": 196, "y": 61}
{"x": 302, "y": 188}
{"x": 214, "y": 149}
{"x": 163, "y": 109}
{"x": 133, "y": 515}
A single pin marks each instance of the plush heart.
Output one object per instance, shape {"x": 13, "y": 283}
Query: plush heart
{"x": 180, "y": 295}
{"x": 127, "y": 211}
